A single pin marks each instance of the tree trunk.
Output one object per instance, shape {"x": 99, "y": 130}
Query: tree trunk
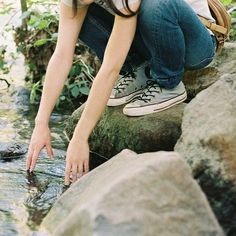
{"x": 23, "y": 9}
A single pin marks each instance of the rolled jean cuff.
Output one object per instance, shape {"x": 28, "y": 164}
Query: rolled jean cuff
{"x": 168, "y": 83}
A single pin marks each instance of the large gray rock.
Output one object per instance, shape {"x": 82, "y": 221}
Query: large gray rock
{"x": 208, "y": 143}
{"x": 115, "y": 131}
{"x": 134, "y": 195}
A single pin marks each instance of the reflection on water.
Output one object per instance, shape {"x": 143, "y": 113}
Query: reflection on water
{"x": 26, "y": 198}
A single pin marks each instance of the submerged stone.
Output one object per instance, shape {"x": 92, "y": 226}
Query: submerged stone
{"x": 10, "y": 151}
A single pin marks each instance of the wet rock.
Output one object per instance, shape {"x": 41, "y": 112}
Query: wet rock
{"x": 22, "y": 96}
{"x": 208, "y": 143}
{"x": 146, "y": 194}
{"x": 115, "y": 131}
{"x": 224, "y": 63}
{"x": 11, "y": 151}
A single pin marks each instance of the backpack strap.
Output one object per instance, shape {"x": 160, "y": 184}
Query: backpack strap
{"x": 213, "y": 26}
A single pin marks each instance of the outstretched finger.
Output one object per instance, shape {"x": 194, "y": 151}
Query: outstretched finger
{"x": 34, "y": 159}
{"x": 81, "y": 168}
{"x": 86, "y": 166}
{"x": 74, "y": 172}
{"x": 29, "y": 157}
{"x": 67, "y": 173}
{"x": 49, "y": 151}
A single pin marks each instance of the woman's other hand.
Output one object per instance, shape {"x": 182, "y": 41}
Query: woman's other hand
{"x": 41, "y": 138}
{"x": 77, "y": 160}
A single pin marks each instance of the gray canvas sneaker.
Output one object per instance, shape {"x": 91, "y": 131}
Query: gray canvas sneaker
{"x": 155, "y": 99}
{"x": 128, "y": 86}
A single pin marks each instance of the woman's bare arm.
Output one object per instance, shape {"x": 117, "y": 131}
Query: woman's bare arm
{"x": 116, "y": 51}
{"x": 57, "y": 71}
{"x": 61, "y": 60}
{"x": 115, "y": 54}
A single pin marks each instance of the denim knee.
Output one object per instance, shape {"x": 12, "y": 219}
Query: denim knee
{"x": 197, "y": 60}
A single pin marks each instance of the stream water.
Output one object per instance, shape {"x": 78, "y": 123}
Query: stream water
{"x": 25, "y": 199}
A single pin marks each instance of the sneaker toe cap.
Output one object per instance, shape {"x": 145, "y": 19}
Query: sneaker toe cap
{"x": 132, "y": 105}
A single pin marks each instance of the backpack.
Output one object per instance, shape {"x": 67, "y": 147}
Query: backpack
{"x": 222, "y": 25}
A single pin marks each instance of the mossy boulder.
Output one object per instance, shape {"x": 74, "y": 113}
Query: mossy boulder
{"x": 115, "y": 131}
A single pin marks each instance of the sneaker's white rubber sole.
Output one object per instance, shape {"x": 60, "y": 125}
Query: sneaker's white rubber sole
{"x": 113, "y": 102}
{"x": 145, "y": 110}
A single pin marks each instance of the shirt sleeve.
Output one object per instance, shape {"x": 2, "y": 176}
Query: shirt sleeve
{"x": 119, "y": 3}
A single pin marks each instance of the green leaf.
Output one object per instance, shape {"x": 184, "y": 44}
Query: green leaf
{"x": 72, "y": 71}
{"x": 75, "y": 91}
{"x": 43, "y": 24}
{"x": 75, "y": 70}
{"x": 78, "y": 69}
{"x": 234, "y": 14}
{"x": 84, "y": 90}
{"x": 41, "y": 42}
{"x": 33, "y": 21}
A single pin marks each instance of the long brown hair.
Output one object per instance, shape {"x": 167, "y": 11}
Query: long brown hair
{"x": 111, "y": 4}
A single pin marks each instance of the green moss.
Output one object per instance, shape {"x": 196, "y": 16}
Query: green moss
{"x": 115, "y": 131}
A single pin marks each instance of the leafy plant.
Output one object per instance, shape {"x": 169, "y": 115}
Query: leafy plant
{"x": 76, "y": 87}
{"x": 36, "y": 91}
{"x": 37, "y": 42}
{"x": 232, "y": 34}
{"x": 232, "y": 11}
{"x": 4, "y": 66}
{"x": 2, "y": 58}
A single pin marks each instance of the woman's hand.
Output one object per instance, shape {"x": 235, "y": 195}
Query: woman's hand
{"x": 40, "y": 138}
{"x": 77, "y": 160}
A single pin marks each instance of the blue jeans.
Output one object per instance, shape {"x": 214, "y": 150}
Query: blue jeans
{"x": 169, "y": 36}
